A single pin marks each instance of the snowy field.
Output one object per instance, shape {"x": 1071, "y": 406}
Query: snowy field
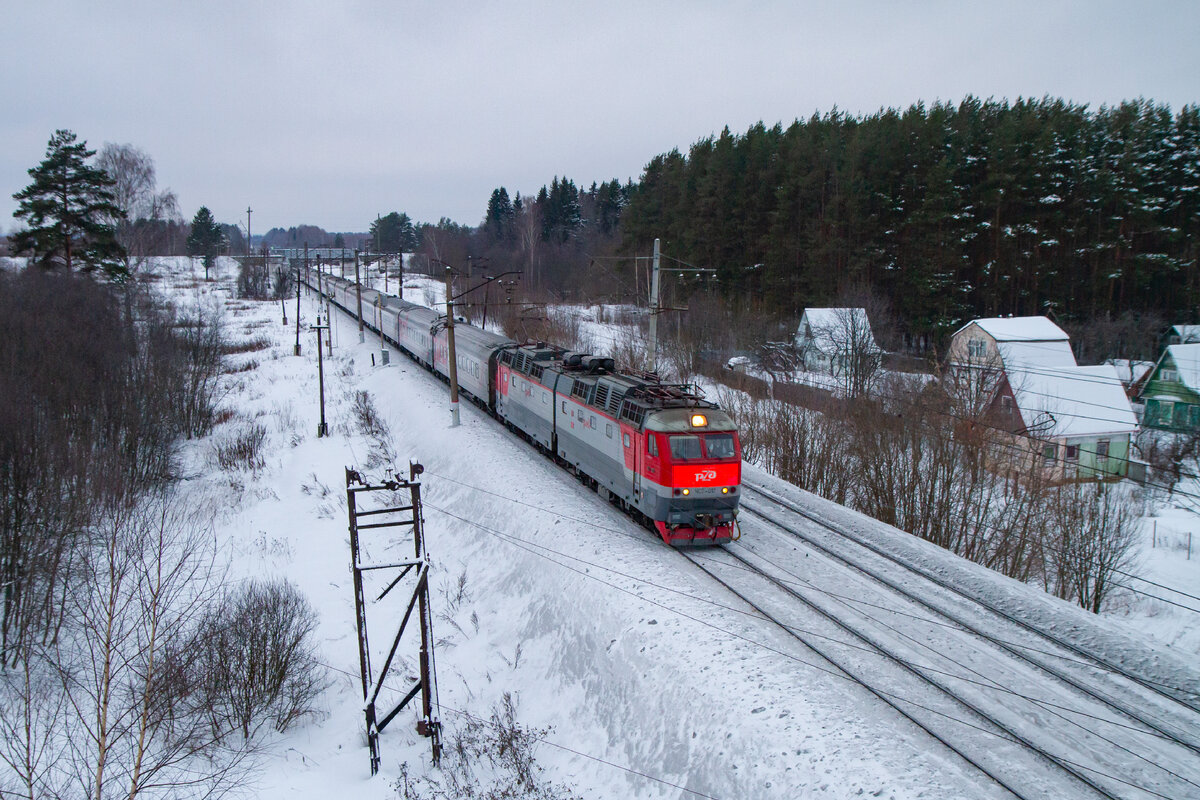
{"x": 649, "y": 682}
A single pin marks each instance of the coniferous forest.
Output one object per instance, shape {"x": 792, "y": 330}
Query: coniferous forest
{"x": 952, "y": 211}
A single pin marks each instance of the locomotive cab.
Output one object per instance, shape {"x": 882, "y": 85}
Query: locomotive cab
{"x": 696, "y": 453}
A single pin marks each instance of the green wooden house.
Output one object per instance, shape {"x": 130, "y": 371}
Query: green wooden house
{"x": 1171, "y": 395}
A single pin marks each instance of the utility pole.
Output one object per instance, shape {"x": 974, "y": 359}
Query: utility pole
{"x": 654, "y": 311}
{"x": 323, "y": 297}
{"x": 248, "y": 236}
{"x": 384, "y": 355}
{"x": 362, "y": 336}
{"x": 322, "y": 427}
{"x": 298, "y": 298}
{"x": 451, "y": 353}
{"x": 655, "y": 304}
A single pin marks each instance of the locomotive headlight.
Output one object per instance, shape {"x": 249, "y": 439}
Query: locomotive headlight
{"x": 724, "y": 490}
{"x": 699, "y": 420}
{"x": 687, "y": 491}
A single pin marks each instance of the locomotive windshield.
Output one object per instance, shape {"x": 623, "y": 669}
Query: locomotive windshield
{"x": 712, "y": 445}
{"x": 685, "y": 447}
{"x": 719, "y": 445}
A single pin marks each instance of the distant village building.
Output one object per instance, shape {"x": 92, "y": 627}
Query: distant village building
{"x": 1171, "y": 395}
{"x": 827, "y": 337}
{"x": 1006, "y": 342}
{"x": 1133, "y": 373}
{"x": 838, "y": 342}
{"x": 1075, "y": 422}
{"x": 1183, "y": 334}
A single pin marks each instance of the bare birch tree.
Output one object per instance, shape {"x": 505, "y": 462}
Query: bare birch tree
{"x": 136, "y": 194}
{"x": 131, "y": 725}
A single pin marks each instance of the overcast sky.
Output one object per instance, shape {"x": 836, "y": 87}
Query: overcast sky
{"x": 328, "y": 113}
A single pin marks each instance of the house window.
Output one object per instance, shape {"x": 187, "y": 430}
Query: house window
{"x": 1168, "y": 375}
{"x": 1072, "y": 452}
{"x": 1181, "y": 415}
{"x": 1006, "y": 404}
{"x": 1194, "y": 414}
{"x": 1049, "y": 452}
{"x": 1102, "y": 448}
{"x": 976, "y": 348}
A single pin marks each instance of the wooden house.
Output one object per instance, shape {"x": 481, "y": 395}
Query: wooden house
{"x": 1171, "y": 395}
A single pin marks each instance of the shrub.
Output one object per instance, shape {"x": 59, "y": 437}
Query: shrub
{"x": 486, "y": 760}
{"x": 255, "y": 660}
{"x": 375, "y": 428}
{"x": 244, "y": 450}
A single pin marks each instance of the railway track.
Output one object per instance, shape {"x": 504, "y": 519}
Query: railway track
{"x": 1187, "y": 733}
{"x": 1088, "y": 743}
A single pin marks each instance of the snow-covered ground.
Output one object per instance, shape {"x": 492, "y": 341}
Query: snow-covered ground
{"x": 1163, "y": 557}
{"x": 653, "y": 682}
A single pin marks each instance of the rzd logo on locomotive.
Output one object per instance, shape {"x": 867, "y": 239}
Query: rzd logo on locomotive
{"x": 706, "y": 475}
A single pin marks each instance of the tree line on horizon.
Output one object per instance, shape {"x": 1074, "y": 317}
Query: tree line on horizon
{"x": 950, "y": 211}
{"x": 980, "y": 209}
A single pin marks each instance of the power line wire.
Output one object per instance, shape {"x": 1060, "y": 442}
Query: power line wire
{"x": 532, "y": 548}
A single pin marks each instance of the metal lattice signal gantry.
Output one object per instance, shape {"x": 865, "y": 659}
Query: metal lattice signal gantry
{"x": 390, "y": 572}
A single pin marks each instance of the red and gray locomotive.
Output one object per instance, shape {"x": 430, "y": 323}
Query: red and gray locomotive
{"x": 658, "y": 450}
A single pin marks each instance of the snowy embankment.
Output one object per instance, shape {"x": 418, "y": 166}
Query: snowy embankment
{"x": 650, "y": 676}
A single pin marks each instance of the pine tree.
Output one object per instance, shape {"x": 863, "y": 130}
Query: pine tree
{"x": 394, "y": 233}
{"x": 500, "y": 215}
{"x": 206, "y": 238}
{"x": 68, "y": 208}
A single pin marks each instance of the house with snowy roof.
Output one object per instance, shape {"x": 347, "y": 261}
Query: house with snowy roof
{"x": 1184, "y": 334}
{"x": 1073, "y": 421}
{"x": 839, "y": 342}
{"x": 1132, "y": 372}
{"x": 1076, "y": 421}
{"x": 826, "y": 336}
{"x": 1005, "y": 342}
{"x": 1171, "y": 395}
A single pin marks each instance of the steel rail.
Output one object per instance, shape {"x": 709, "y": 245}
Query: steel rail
{"x": 1005, "y": 732}
{"x": 947, "y": 585}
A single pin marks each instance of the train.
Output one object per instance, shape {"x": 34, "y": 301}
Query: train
{"x": 660, "y": 451}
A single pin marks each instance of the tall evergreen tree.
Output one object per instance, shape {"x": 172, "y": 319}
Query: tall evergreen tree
{"x": 500, "y": 215}
{"x": 68, "y": 208}
{"x": 206, "y": 238}
{"x": 394, "y": 233}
